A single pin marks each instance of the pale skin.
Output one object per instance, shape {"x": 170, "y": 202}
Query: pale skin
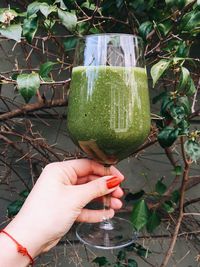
{"x": 56, "y": 201}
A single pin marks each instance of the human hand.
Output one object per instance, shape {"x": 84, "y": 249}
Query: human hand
{"x": 58, "y": 199}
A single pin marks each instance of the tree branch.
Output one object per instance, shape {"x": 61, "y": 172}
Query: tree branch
{"x": 33, "y": 107}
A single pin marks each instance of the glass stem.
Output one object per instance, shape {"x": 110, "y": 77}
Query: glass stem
{"x": 106, "y": 224}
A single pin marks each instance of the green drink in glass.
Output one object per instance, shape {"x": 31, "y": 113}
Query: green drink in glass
{"x": 108, "y": 115}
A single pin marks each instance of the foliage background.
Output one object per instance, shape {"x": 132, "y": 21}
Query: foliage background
{"x": 38, "y": 40}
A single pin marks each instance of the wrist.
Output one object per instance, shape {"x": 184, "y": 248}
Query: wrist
{"x": 9, "y": 255}
{"x": 26, "y": 235}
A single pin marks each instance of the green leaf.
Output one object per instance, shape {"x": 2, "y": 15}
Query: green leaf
{"x": 191, "y": 89}
{"x": 62, "y": 4}
{"x": 153, "y": 222}
{"x": 141, "y": 251}
{"x": 179, "y": 3}
{"x": 45, "y": 9}
{"x": 132, "y": 263}
{"x": 184, "y": 102}
{"x": 69, "y": 20}
{"x": 167, "y": 136}
{"x": 190, "y": 21}
{"x": 168, "y": 206}
{"x": 186, "y": 83}
{"x": 101, "y": 261}
{"x": 135, "y": 196}
{"x": 88, "y": 5}
{"x": 24, "y": 194}
{"x": 158, "y": 69}
{"x": 145, "y": 28}
{"x": 178, "y": 170}
{"x": 185, "y": 74}
{"x": 70, "y": 43}
{"x": 183, "y": 49}
{"x": 30, "y": 27}
{"x": 14, "y": 207}
{"x": 33, "y": 8}
{"x": 12, "y": 32}
{"x": 178, "y": 113}
{"x": 175, "y": 196}
{"x": 183, "y": 127}
{"x": 28, "y": 85}
{"x": 160, "y": 187}
{"x": 140, "y": 213}
{"x": 121, "y": 255}
{"x": 49, "y": 23}
{"x": 46, "y": 68}
{"x": 192, "y": 148}
{"x": 165, "y": 27}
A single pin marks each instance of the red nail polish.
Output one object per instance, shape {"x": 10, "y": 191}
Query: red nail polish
{"x": 113, "y": 181}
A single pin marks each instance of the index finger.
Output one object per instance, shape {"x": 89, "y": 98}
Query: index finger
{"x": 84, "y": 167}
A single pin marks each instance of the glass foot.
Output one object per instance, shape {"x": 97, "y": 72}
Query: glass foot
{"x": 110, "y": 234}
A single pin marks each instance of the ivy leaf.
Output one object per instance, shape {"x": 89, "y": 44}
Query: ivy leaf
{"x": 28, "y": 85}
{"x": 132, "y": 263}
{"x": 160, "y": 187}
{"x": 12, "y": 32}
{"x": 88, "y": 5}
{"x": 14, "y": 207}
{"x": 158, "y": 69}
{"x": 135, "y": 196}
{"x": 46, "y": 68}
{"x": 45, "y": 9}
{"x": 140, "y": 214}
{"x": 192, "y": 148}
{"x": 62, "y": 4}
{"x": 33, "y": 8}
{"x": 70, "y": 43}
{"x": 101, "y": 261}
{"x": 167, "y": 136}
{"x": 30, "y": 27}
{"x": 145, "y": 28}
{"x": 69, "y": 20}
{"x": 153, "y": 222}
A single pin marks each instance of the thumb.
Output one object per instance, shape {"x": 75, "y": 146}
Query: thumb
{"x": 97, "y": 188}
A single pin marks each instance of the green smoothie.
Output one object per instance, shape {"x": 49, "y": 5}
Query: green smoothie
{"x": 108, "y": 111}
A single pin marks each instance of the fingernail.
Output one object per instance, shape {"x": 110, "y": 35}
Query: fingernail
{"x": 113, "y": 181}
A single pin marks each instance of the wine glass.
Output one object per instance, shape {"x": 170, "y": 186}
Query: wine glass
{"x": 108, "y": 116}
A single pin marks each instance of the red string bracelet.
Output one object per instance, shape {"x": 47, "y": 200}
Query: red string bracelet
{"x": 22, "y": 250}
